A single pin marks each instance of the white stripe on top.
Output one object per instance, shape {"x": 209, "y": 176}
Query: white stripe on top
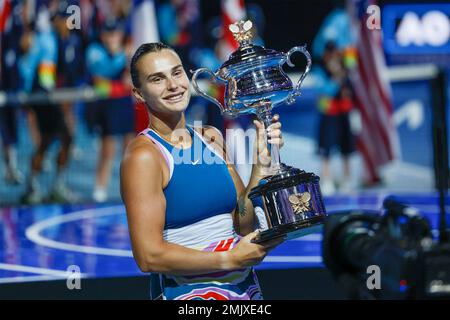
{"x": 166, "y": 154}
{"x": 202, "y": 233}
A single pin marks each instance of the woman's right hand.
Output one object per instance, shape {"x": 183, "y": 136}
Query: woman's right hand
{"x": 247, "y": 254}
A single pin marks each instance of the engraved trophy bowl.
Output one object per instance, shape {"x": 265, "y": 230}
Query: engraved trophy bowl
{"x": 288, "y": 203}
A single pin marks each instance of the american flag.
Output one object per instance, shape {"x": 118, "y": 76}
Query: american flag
{"x": 144, "y": 30}
{"x": 378, "y": 140}
{"x": 5, "y": 10}
{"x": 144, "y": 25}
{"x": 232, "y": 11}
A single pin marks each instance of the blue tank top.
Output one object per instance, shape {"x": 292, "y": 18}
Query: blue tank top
{"x": 200, "y": 186}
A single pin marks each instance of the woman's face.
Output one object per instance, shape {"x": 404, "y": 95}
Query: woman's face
{"x": 164, "y": 85}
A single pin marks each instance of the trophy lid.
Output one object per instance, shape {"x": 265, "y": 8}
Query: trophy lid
{"x": 247, "y": 51}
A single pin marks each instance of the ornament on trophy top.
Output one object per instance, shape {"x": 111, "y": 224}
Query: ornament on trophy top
{"x": 241, "y": 31}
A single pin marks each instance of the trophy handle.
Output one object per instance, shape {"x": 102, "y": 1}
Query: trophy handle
{"x": 201, "y": 92}
{"x": 296, "y": 92}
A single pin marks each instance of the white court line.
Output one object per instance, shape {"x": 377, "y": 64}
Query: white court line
{"x": 38, "y": 270}
{"x": 33, "y": 233}
{"x": 44, "y": 271}
{"x": 29, "y": 279}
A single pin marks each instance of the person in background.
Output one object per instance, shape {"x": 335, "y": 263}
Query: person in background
{"x": 113, "y": 115}
{"x": 334, "y": 103}
{"x": 37, "y": 67}
{"x": 334, "y": 49}
{"x": 70, "y": 64}
{"x": 10, "y": 82}
{"x": 179, "y": 25}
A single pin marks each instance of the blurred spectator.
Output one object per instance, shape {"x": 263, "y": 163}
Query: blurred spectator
{"x": 332, "y": 47}
{"x": 10, "y": 82}
{"x": 206, "y": 57}
{"x": 179, "y": 26}
{"x": 95, "y": 13}
{"x": 37, "y": 67}
{"x": 335, "y": 104}
{"x": 70, "y": 64}
{"x": 114, "y": 115}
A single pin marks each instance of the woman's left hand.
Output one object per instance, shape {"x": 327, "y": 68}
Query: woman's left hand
{"x": 263, "y": 159}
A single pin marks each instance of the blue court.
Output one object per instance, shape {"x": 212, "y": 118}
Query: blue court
{"x": 41, "y": 242}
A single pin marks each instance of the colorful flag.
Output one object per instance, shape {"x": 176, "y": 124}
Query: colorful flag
{"x": 144, "y": 24}
{"x": 378, "y": 141}
{"x": 5, "y": 10}
{"x": 232, "y": 11}
{"x": 144, "y": 30}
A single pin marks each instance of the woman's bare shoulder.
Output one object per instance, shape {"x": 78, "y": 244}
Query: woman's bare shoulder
{"x": 142, "y": 150}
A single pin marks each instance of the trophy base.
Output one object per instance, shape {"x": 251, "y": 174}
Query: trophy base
{"x": 292, "y": 230}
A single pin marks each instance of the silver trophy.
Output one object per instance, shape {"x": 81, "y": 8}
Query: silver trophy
{"x": 289, "y": 200}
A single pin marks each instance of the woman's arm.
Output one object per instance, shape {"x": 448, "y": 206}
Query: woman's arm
{"x": 142, "y": 181}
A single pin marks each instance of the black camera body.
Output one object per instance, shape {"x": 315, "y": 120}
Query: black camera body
{"x": 386, "y": 256}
